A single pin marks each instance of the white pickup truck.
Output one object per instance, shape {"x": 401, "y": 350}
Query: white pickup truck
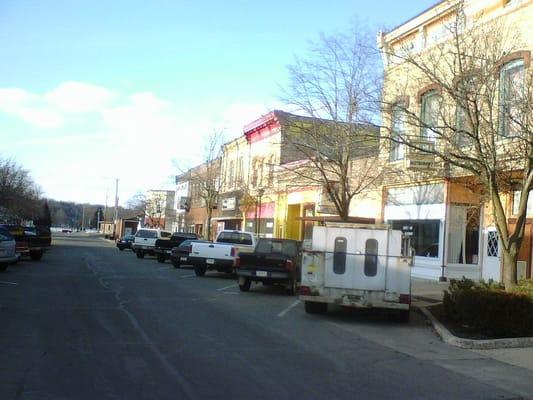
{"x": 221, "y": 254}
{"x": 144, "y": 242}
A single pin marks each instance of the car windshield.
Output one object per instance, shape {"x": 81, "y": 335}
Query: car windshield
{"x": 235, "y": 238}
{"x": 146, "y": 234}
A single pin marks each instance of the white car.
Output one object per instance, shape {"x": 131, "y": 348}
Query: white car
{"x": 7, "y": 250}
{"x": 144, "y": 242}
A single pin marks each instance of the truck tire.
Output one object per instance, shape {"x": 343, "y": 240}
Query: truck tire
{"x": 245, "y": 286}
{"x": 403, "y": 316}
{"x": 176, "y": 264}
{"x": 312, "y": 307}
{"x": 3, "y": 267}
{"x": 121, "y": 248}
{"x": 36, "y": 255}
{"x": 199, "y": 270}
{"x": 160, "y": 258}
{"x": 139, "y": 254}
{"x": 292, "y": 288}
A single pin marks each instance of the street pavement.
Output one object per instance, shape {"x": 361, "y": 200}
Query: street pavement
{"x": 91, "y": 322}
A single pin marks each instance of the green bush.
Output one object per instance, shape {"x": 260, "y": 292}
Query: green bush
{"x": 486, "y": 308}
{"x": 525, "y": 287}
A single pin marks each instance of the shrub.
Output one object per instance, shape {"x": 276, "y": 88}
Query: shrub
{"x": 525, "y": 287}
{"x": 487, "y": 309}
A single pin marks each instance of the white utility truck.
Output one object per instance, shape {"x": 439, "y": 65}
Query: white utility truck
{"x": 357, "y": 266}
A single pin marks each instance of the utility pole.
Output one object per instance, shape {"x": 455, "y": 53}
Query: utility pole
{"x": 83, "y": 217}
{"x": 116, "y": 209}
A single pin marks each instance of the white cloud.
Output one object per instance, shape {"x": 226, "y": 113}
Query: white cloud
{"x": 79, "y": 97}
{"x": 138, "y": 138}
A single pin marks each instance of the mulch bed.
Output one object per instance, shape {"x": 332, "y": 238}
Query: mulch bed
{"x": 459, "y": 330}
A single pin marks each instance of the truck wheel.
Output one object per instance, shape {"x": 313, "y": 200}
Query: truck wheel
{"x": 292, "y": 288}
{"x": 312, "y": 307}
{"x": 176, "y": 264}
{"x": 160, "y": 258}
{"x": 3, "y": 267}
{"x": 121, "y": 248}
{"x": 199, "y": 270}
{"x": 140, "y": 254}
{"x": 403, "y": 316}
{"x": 245, "y": 286}
{"x": 36, "y": 255}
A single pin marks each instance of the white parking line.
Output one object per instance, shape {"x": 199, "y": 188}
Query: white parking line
{"x": 227, "y": 287}
{"x": 282, "y": 314}
{"x": 188, "y": 276}
{"x": 9, "y": 283}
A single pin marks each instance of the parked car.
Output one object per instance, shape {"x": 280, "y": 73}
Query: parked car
{"x": 125, "y": 242}
{"x": 164, "y": 246}
{"x": 222, "y": 253}
{"x": 145, "y": 239}
{"x": 180, "y": 255}
{"x": 8, "y": 254}
{"x": 274, "y": 261}
{"x": 29, "y": 241}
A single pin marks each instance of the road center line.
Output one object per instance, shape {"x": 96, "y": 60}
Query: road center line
{"x": 227, "y": 287}
{"x": 282, "y": 314}
{"x": 9, "y": 283}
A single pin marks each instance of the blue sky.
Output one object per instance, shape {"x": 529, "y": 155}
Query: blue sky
{"x": 94, "y": 90}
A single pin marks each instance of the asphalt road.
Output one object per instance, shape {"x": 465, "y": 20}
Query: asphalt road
{"x": 90, "y": 322}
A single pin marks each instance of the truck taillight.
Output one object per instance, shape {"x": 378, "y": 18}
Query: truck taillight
{"x": 405, "y": 299}
{"x": 237, "y": 262}
{"x": 233, "y": 252}
{"x": 189, "y": 248}
{"x": 305, "y": 291}
{"x": 288, "y": 265}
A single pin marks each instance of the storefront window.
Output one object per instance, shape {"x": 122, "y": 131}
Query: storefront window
{"x": 463, "y": 234}
{"x": 425, "y": 239}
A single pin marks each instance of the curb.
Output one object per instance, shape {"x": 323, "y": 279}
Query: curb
{"x": 474, "y": 344}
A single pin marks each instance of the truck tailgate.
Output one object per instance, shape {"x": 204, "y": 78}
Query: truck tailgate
{"x": 212, "y": 250}
{"x": 265, "y": 262}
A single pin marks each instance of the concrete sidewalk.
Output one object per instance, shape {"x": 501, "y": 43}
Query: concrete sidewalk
{"x": 427, "y": 293}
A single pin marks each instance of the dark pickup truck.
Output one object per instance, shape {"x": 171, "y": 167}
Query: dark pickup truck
{"x": 30, "y": 241}
{"x": 274, "y": 261}
{"x": 163, "y": 247}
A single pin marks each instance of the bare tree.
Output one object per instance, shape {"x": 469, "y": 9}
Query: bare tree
{"x": 336, "y": 85}
{"x": 206, "y": 178}
{"x": 155, "y": 208}
{"x": 136, "y": 206}
{"x": 18, "y": 192}
{"x": 473, "y": 115}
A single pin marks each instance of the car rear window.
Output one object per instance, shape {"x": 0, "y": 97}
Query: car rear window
{"x": 5, "y": 236}
{"x": 235, "y": 238}
{"x": 285, "y": 247}
{"x": 146, "y": 234}
{"x": 166, "y": 234}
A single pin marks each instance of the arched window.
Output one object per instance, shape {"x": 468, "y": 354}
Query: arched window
{"x": 398, "y": 121}
{"x": 429, "y": 114}
{"x": 512, "y": 76}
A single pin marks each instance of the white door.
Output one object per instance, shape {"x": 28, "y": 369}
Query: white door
{"x": 491, "y": 259}
{"x": 356, "y": 259}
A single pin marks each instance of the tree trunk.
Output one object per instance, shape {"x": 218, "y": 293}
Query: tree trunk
{"x": 509, "y": 266}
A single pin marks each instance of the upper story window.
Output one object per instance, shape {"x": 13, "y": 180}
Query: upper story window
{"x": 512, "y": 76}
{"x": 398, "y": 120}
{"x": 231, "y": 174}
{"x": 429, "y": 114}
{"x": 463, "y": 123}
